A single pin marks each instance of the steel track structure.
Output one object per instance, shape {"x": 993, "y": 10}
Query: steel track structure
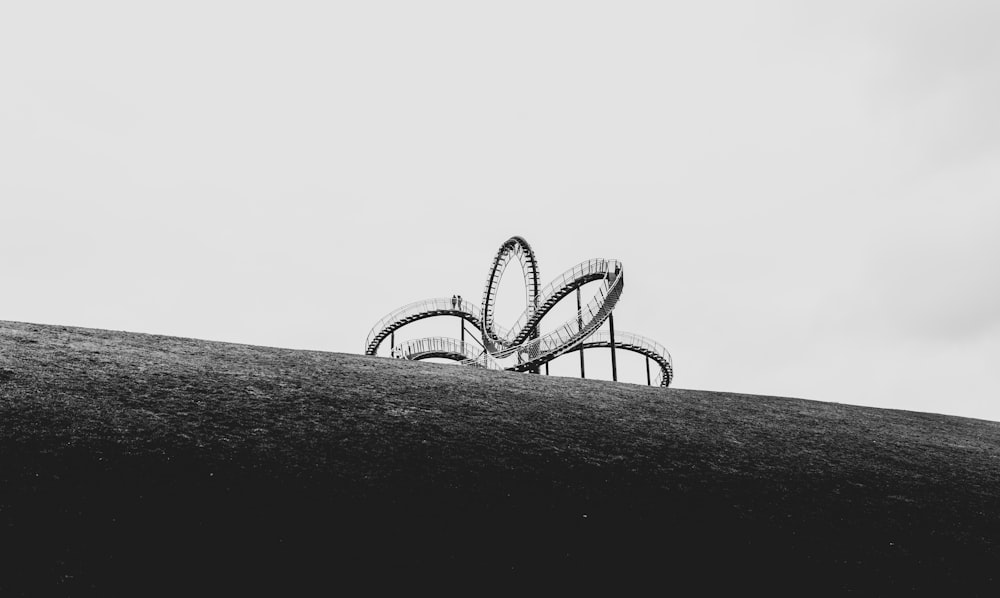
{"x": 523, "y": 347}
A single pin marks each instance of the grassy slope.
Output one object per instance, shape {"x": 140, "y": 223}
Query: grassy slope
{"x": 132, "y": 461}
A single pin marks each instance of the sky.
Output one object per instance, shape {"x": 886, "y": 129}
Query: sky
{"x": 805, "y": 196}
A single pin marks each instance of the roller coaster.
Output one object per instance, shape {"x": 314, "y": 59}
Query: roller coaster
{"x": 523, "y": 347}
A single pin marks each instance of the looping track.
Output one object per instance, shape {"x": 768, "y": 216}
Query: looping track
{"x": 519, "y": 248}
{"x": 523, "y": 347}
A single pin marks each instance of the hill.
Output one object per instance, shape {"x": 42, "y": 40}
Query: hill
{"x": 134, "y": 463}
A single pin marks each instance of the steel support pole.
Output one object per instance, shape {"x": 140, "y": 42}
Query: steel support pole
{"x": 649, "y": 381}
{"x": 614, "y": 361}
{"x": 535, "y": 333}
{"x": 579, "y": 321}
{"x": 473, "y": 337}
{"x": 546, "y": 368}
{"x": 461, "y": 322}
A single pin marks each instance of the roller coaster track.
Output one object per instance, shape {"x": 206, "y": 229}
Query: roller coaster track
{"x": 642, "y": 345}
{"x": 418, "y": 310}
{"x": 523, "y": 347}
{"x": 438, "y": 346}
{"x": 519, "y": 248}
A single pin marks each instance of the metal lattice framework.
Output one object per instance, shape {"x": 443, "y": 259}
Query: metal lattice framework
{"x": 523, "y": 347}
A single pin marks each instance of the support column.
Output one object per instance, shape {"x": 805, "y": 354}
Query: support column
{"x": 648, "y": 380}
{"x": 535, "y": 333}
{"x": 579, "y": 321}
{"x": 614, "y": 361}
{"x": 461, "y": 323}
{"x": 546, "y": 368}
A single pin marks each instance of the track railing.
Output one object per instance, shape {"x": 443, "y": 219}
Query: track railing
{"x": 418, "y": 310}
{"x": 437, "y": 346}
{"x": 558, "y": 288}
{"x": 565, "y": 337}
{"x": 637, "y": 343}
{"x": 523, "y": 347}
{"x": 513, "y": 248}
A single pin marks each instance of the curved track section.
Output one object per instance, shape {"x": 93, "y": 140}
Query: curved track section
{"x": 529, "y": 354}
{"x": 523, "y": 347}
{"x": 552, "y": 293}
{"x": 628, "y": 341}
{"x": 418, "y": 310}
{"x": 438, "y": 346}
{"x": 514, "y": 247}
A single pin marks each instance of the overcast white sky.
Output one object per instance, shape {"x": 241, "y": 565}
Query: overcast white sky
{"x": 805, "y": 195}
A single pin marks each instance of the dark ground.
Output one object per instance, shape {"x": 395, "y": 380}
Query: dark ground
{"x": 132, "y": 464}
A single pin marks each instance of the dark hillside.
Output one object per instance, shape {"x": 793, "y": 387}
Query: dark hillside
{"x": 133, "y": 463}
